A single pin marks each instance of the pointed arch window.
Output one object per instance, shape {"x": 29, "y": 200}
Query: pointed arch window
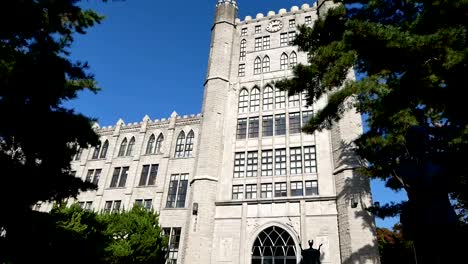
{"x": 257, "y": 66}
{"x": 159, "y": 143}
{"x": 268, "y": 98}
{"x": 274, "y": 245}
{"x": 255, "y": 100}
{"x": 266, "y": 64}
{"x": 243, "y": 47}
{"x": 284, "y": 61}
{"x": 243, "y": 101}
{"x": 150, "y": 146}
{"x": 179, "y": 151}
{"x": 189, "y": 144}
{"x": 104, "y": 149}
{"x": 130, "y": 147}
{"x": 293, "y": 60}
{"x": 97, "y": 149}
{"x": 123, "y": 148}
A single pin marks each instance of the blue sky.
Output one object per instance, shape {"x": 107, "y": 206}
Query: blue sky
{"x": 150, "y": 56}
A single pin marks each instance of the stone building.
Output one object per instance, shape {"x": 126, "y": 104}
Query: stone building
{"x": 240, "y": 183}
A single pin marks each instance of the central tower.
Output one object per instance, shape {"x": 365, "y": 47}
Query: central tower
{"x": 200, "y": 223}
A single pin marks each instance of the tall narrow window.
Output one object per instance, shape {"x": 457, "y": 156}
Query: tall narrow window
{"x": 267, "y": 126}
{"x": 281, "y": 189}
{"x": 292, "y": 23}
{"x": 267, "y": 163}
{"x": 119, "y": 178}
{"x": 179, "y": 152}
{"x": 237, "y": 192}
{"x": 241, "y": 70}
{"x": 89, "y": 175}
{"x": 280, "y": 99}
{"x": 107, "y": 207}
{"x": 252, "y": 163}
{"x": 241, "y": 128}
{"x": 310, "y": 162}
{"x": 173, "y": 246}
{"x": 268, "y": 98}
{"x": 284, "y": 39}
{"x": 243, "y": 101}
{"x": 266, "y": 190}
{"x": 243, "y": 47}
{"x": 255, "y": 100}
{"x": 280, "y": 125}
{"x": 189, "y": 144}
{"x": 148, "y": 175}
{"x": 97, "y": 176}
{"x": 308, "y": 20}
{"x": 97, "y": 149}
{"x": 292, "y": 60}
{"x": 257, "y": 66}
{"x": 296, "y": 189}
{"x": 258, "y": 44}
{"x": 294, "y": 123}
{"x": 104, "y": 149}
{"x": 239, "y": 165}
{"x": 295, "y": 158}
{"x": 280, "y": 162}
{"x": 253, "y": 127}
{"x": 311, "y": 188}
{"x": 159, "y": 143}
{"x": 130, "y": 147}
{"x": 251, "y": 191}
{"x": 123, "y": 148}
{"x": 266, "y": 64}
{"x": 258, "y": 29}
{"x": 284, "y": 61}
{"x": 150, "y": 146}
{"x": 294, "y": 100}
{"x": 78, "y": 154}
{"x": 123, "y": 177}
{"x": 306, "y": 116}
{"x": 266, "y": 42}
{"x": 177, "y": 192}
{"x": 244, "y": 32}
{"x": 292, "y": 36}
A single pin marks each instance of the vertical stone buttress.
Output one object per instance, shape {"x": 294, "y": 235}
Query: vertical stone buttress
{"x": 200, "y": 228}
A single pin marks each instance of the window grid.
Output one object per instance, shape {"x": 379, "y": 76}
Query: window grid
{"x": 280, "y": 162}
{"x": 308, "y": 20}
{"x": 243, "y": 101}
{"x": 241, "y": 70}
{"x": 267, "y": 163}
{"x": 148, "y": 175}
{"x": 310, "y": 162}
{"x": 294, "y": 101}
{"x": 255, "y": 100}
{"x": 267, "y": 126}
{"x": 266, "y": 190}
{"x": 280, "y": 99}
{"x": 177, "y": 192}
{"x": 243, "y": 48}
{"x": 253, "y": 127}
{"x": 237, "y": 192}
{"x": 258, "y": 29}
{"x": 292, "y": 23}
{"x": 241, "y": 128}
{"x": 284, "y": 39}
{"x": 295, "y": 158}
{"x": 252, "y": 163}
{"x": 311, "y": 188}
{"x": 306, "y": 116}
{"x": 280, "y": 125}
{"x": 179, "y": 151}
{"x": 239, "y": 165}
{"x": 130, "y": 147}
{"x": 258, "y": 44}
{"x": 159, "y": 142}
{"x": 291, "y": 36}
{"x": 266, "y": 42}
{"x": 189, "y": 144}
{"x": 173, "y": 247}
{"x": 266, "y": 64}
{"x": 294, "y": 123}
{"x": 119, "y": 177}
{"x": 251, "y": 191}
{"x": 292, "y": 60}
{"x": 281, "y": 189}
{"x": 257, "y": 66}
{"x": 297, "y": 189}
{"x": 284, "y": 61}
{"x": 244, "y": 32}
{"x": 268, "y": 98}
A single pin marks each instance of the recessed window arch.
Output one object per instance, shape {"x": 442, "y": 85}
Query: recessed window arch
{"x": 257, "y": 66}
{"x": 150, "y": 146}
{"x": 243, "y": 101}
{"x": 104, "y": 149}
{"x": 243, "y": 47}
{"x": 130, "y": 147}
{"x": 292, "y": 60}
{"x": 159, "y": 143}
{"x": 123, "y": 147}
{"x": 179, "y": 151}
{"x": 284, "y": 61}
{"x": 266, "y": 64}
{"x": 97, "y": 149}
{"x": 255, "y": 100}
{"x": 189, "y": 144}
{"x": 268, "y": 98}
{"x": 274, "y": 245}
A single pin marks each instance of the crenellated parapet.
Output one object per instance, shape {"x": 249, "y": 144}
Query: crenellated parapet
{"x": 282, "y": 12}
{"x": 227, "y": 2}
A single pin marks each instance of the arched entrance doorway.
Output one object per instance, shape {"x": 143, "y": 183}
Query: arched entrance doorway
{"x": 274, "y": 245}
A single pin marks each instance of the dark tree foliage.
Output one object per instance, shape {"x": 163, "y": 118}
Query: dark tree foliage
{"x": 38, "y": 135}
{"x": 413, "y": 59}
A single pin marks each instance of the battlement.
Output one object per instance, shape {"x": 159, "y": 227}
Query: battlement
{"x": 282, "y": 12}
{"x": 226, "y": 2}
{"x": 147, "y": 122}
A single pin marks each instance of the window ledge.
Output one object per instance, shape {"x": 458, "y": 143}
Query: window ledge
{"x": 116, "y": 188}
{"x": 311, "y": 198}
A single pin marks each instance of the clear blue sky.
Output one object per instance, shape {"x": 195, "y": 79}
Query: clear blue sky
{"x": 150, "y": 56}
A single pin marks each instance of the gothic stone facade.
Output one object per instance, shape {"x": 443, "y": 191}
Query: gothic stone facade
{"x": 241, "y": 183}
